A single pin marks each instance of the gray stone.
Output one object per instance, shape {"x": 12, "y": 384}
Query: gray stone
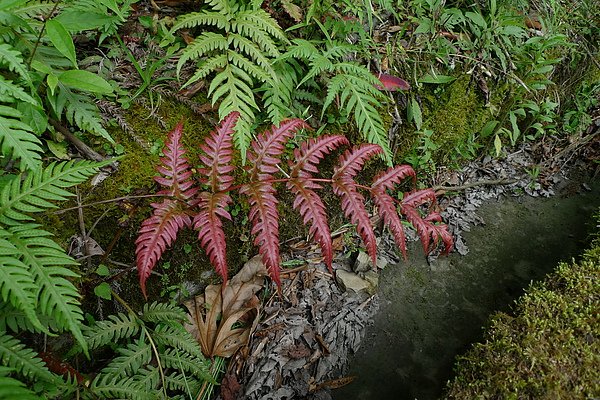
{"x": 372, "y": 278}
{"x": 363, "y": 263}
{"x": 351, "y": 282}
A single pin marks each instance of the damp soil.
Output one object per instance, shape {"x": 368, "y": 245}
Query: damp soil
{"x": 431, "y": 312}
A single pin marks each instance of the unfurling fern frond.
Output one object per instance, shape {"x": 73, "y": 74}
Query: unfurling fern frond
{"x": 17, "y": 139}
{"x": 264, "y": 159}
{"x": 307, "y": 202}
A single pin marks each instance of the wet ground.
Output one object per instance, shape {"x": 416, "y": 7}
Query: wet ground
{"x": 431, "y": 313}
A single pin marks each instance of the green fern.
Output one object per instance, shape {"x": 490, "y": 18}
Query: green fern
{"x": 24, "y": 361}
{"x": 115, "y": 328}
{"x": 157, "y": 331}
{"x": 79, "y": 110}
{"x": 12, "y": 59}
{"x": 352, "y": 85}
{"x": 35, "y": 279}
{"x": 241, "y": 57}
{"x": 13, "y": 389}
{"x": 17, "y": 139}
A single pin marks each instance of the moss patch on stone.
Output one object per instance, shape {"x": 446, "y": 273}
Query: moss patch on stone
{"x": 548, "y": 349}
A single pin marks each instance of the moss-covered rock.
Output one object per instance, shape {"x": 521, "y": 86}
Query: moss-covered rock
{"x": 549, "y": 348}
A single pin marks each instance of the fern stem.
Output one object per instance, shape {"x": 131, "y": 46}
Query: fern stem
{"x": 39, "y": 38}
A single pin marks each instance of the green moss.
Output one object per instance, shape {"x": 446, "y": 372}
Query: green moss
{"x": 454, "y": 115}
{"x": 549, "y": 348}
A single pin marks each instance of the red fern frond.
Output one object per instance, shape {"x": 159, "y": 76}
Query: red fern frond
{"x": 386, "y": 204}
{"x": 265, "y": 224}
{"x": 175, "y": 169}
{"x": 264, "y": 158}
{"x": 393, "y": 176}
{"x": 210, "y": 229}
{"x": 218, "y": 150}
{"x": 353, "y": 203}
{"x": 429, "y": 232}
{"x": 156, "y": 234}
{"x": 307, "y": 202}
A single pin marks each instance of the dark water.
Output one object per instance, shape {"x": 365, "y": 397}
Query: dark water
{"x": 431, "y": 313}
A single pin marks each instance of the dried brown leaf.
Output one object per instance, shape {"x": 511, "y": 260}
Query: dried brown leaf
{"x": 222, "y": 318}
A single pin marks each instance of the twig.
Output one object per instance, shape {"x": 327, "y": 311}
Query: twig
{"x": 83, "y": 148}
{"x": 474, "y": 184}
{"x": 143, "y": 196}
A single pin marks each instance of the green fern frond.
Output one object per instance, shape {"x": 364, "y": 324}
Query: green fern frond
{"x": 177, "y": 337}
{"x": 181, "y": 382}
{"x": 192, "y": 20}
{"x": 132, "y": 358}
{"x": 203, "y": 44}
{"x": 147, "y": 378}
{"x": 265, "y": 22}
{"x": 13, "y": 60}
{"x": 210, "y": 65}
{"x": 250, "y": 49}
{"x": 45, "y": 260}
{"x": 318, "y": 65}
{"x": 17, "y": 320}
{"x": 356, "y": 94}
{"x": 12, "y": 389}
{"x": 111, "y": 330}
{"x": 248, "y": 67}
{"x": 301, "y": 49}
{"x": 79, "y": 110}
{"x": 34, "y": 193}
{"x": 178, "y": 360}
{"x": 110, "y": 387}
{"x": 277, "y": 99}
{"x": 262, "y": 39}
{"x": 10, "y": 92}
{"x": 23, "y": 360}
{"x": 163, "y": 312}
{"x": 17, "y": 139}
{"x": 16, "y": 283}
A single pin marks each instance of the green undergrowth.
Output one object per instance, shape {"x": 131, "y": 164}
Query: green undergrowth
{"x": 549, "y": 348}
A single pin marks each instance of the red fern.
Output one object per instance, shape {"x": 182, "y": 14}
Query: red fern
{"x": 353, "y": 203}
{"x": 175, "y": 169}
{"x": 156, "y": 234}
{"x": 386, "y": 204}
{"x": 216, "y": 174}
{"x": 264, "y": 158}
{"x": 428, "y": 231}
{"x": 159, "y": 231}
{"x": 307, "y": 202}
{"x": 184, "y": 205}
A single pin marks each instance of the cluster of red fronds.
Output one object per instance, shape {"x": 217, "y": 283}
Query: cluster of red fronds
{"x": 185, "y": 204}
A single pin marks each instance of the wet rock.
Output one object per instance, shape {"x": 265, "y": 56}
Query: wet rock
{"x": 372, "y": 279}
{"x": 363, "y": 263}
{"x": 351, "y": 282}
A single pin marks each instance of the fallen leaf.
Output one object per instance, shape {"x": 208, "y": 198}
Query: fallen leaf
{"x": 222, "y": 318}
